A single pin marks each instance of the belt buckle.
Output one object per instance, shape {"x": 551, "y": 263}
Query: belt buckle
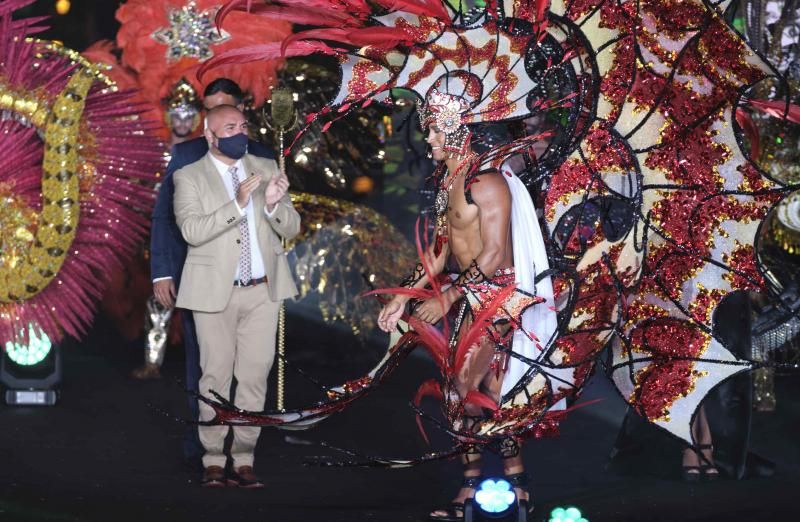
{"x": 239, "y": 283}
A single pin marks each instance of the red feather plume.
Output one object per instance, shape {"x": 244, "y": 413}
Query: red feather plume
{"x": 429, "y": 388}
{"x": 782, "y": 110}
{"x": 480, "y": 399}
{"x": 479, "y": 324}
{"x": 751, "y": 131}
{"x": 267, "y": 51}
{"x": 430, "y": 8}
{"x": 433, "y": 340}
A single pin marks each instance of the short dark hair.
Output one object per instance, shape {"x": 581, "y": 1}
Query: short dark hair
{"x": 225, "y": 86}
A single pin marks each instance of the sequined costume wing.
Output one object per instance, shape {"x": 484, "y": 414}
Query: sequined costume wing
{"x": 75, "y": 164}
{"x": 658, "y": 205}
{"x": 411, "y": 46}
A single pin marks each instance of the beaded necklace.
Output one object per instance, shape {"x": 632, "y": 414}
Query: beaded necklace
{"x": 446, "y": 185}
{"x": 443, "y": 200}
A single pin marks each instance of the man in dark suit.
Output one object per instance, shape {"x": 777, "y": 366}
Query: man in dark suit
{"x": 168, "y": 248}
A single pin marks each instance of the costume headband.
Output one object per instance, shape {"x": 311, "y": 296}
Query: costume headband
{"x": 447, "y": 111}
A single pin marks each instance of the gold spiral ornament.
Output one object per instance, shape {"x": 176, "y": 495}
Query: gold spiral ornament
{"x": 77, "y": 166}
{"x": 60, "y": 213}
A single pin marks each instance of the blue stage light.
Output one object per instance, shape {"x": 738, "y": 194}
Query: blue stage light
{"x": 495, "y": 496}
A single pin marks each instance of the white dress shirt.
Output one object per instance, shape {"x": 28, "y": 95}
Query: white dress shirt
{"x": 256, "y": 260}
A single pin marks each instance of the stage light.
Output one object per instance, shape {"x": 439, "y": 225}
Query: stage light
{"x": 568, "y": 514}
{"x": 62, "y": 6}
{"x": 34, "y": 352}
{"x": 494, "y": 501}
{"x": 30, "y": 368}
{"x": 495, "y": 496}
{"x": 363, "y": 185}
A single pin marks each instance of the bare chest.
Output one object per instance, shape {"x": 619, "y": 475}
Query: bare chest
{"x": 461, "y": 215}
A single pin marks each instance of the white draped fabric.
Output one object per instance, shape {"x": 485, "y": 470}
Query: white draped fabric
{"x": 530, "y": 258}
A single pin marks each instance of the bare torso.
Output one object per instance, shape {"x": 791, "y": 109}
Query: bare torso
{"x": 465, "y": 234}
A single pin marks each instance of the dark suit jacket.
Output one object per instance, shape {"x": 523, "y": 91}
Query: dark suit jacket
{"x": 167, "y": 246}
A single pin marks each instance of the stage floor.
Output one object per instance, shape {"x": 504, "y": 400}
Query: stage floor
{"x": 105, "y": 453}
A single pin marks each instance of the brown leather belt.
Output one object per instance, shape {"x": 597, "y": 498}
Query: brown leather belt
{"x": 252, "y": 282}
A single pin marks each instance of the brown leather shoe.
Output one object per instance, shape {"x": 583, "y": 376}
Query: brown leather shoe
{"x": 245, "y": 477}
{"x": 213, "y": 477}
{"x": 146, "y": 372}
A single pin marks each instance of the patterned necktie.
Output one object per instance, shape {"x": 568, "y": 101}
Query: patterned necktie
{"x": 245, "y": 272}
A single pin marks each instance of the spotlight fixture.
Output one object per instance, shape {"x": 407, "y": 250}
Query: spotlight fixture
{"x": 30, "y": 368}
{"x": 495, "y": 500}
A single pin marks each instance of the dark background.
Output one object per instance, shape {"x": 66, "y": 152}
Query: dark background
{"x": 86, "y": 22}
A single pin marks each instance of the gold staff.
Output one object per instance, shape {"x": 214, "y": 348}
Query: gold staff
{"x": 284, "y": 118}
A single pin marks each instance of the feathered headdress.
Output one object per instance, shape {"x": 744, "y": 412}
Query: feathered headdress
{"x": 164, "y": 41}
{"x": 105, "y": 54}
{"x": 182, "y": 102}
{"x": 447, "y": 113}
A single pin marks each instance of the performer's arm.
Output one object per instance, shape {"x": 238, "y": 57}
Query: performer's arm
{"x": 196, "y": 226}
{"x": 419, "y": 278}
{"x": 493, "y": 199}
{"x": 393, "y": 310}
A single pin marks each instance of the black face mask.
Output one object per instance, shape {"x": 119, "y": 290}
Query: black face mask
{"x": 233, "y": 147}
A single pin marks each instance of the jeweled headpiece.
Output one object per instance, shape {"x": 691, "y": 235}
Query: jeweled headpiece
{"x": 182, "y": 102}
{"x": 447, "y": 112}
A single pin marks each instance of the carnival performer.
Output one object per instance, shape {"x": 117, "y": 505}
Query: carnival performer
{"x": 182, "y": 112}
{"x": 649, "y": 207}
{"x": 486, "y": 222}
{"x": 234, "y": 278}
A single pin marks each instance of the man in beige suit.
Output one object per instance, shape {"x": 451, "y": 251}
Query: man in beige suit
{"x": 232, "y": 208}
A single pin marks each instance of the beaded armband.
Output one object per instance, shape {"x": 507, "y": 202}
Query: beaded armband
{"x": 415, "y": 277}
{"x": 472, "y": 275}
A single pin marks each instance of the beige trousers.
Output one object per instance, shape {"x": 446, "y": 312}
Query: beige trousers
{"x": 237, "y": 342}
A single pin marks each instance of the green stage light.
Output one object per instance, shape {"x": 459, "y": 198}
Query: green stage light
{"x": 34, "y": 352}
{"x": 568, "y": 514}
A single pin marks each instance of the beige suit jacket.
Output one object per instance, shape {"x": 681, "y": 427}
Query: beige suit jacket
{"x": 209, "y": 221}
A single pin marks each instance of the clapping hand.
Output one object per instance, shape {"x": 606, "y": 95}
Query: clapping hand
{"x": 276, "y": 188}
{"x": 246, "y": 188}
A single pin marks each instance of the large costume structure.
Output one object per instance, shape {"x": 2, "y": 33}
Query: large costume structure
{"x": 77, "y": 159}
{"x": 650, "y": 206}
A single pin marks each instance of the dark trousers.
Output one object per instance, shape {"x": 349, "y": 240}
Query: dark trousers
{"x": 192, "y": 450}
